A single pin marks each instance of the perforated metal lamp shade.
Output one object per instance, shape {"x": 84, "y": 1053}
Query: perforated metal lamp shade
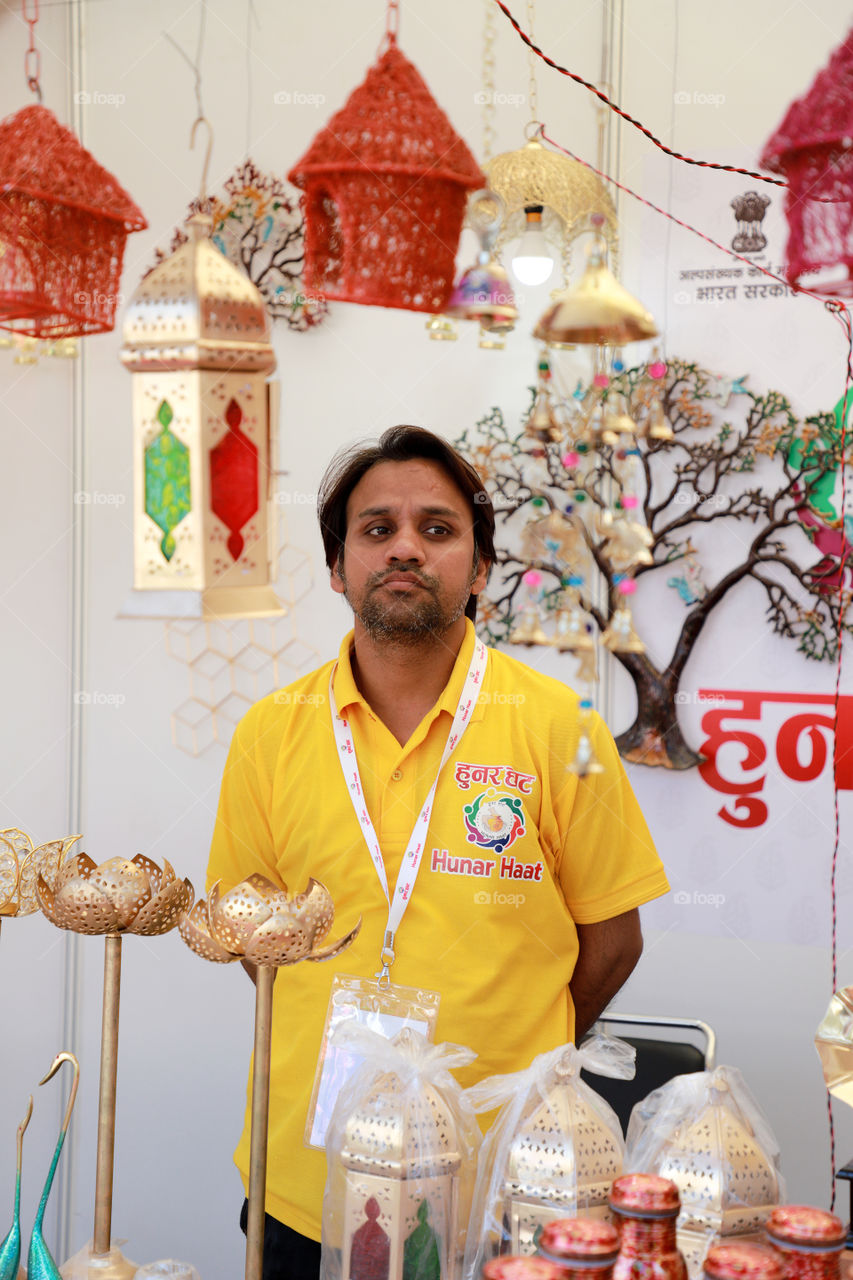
{"x": 535, "y": 175}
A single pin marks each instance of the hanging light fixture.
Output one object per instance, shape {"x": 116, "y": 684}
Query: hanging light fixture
{"x": 483, "y": 292}
{"x": 532, "y": 263}
{"x": 813, "y": 149}
{"x": 597, "y": 309}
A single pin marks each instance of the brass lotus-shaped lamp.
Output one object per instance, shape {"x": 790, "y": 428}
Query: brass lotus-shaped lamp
{"x": 597, "y": 309}
{"x": 259, "y": 922}
{"x": 119, "y": 896}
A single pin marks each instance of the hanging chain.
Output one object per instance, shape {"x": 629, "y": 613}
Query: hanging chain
{"x": 532, "y": 92}
{"x": 32, "y": 58}
{"x": 392, "y": 20}
{"x": 488, "y": 91}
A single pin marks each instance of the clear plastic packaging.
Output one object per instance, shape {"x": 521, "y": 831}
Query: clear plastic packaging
{"x": 167, "y": 1268}
{"x": 706, "y": 1133}
{"x": 401, "y": 1151}
{"x": 552, "y": 1152}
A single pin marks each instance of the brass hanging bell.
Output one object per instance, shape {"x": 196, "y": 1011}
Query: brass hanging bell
{"x": 617, "y": 420}
{"x": 573, "y": 628}
{"x": 597, "y": 309}
{"x": 620, "y": 636}
{"x": 585, "y": 761}
{"x": 543, "y": 425}
{"x": 657, "y": 426}
{"x": 529, "y": 629}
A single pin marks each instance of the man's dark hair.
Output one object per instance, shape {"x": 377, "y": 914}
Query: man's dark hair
{"x": 402, "y": 444}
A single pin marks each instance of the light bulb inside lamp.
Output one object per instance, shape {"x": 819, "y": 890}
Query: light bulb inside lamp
{"x": 533, "y": 263}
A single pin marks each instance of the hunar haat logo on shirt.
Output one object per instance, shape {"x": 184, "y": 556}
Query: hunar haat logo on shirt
{"x": 493, "y": 821}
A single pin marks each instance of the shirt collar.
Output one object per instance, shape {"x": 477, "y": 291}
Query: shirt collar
{"x": 347, "y": 693}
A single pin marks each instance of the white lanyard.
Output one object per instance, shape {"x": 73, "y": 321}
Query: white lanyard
{"x": 411, "y": 862}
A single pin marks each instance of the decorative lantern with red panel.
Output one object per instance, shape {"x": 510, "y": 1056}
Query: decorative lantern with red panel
{"x": 196, "y": 339}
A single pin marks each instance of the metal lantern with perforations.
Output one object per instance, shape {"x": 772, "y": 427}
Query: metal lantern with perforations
{"x": 197, "y": 341}
{"x": 562, "y": 1161}
{"x": 399, "y": 1204}
{"x": 727, "y": 1180}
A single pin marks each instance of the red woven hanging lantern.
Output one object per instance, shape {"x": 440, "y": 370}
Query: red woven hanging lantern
{"x": 813, "y": 148}
{"x": 63, "y": 223}
{"x": 385, "y": 187}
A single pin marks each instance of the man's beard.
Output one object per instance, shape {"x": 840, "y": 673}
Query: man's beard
{"x": 410, "y": 618}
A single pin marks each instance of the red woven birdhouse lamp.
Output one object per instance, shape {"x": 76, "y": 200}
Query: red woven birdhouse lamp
{"x": 63, "y": 224}
{"x": 385, "y": 185}
{"x": 813, "y": 148}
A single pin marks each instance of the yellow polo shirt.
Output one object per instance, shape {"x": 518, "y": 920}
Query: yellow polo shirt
{"x": 518, "y": 850}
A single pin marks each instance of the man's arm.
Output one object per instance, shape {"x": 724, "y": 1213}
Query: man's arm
{"x": 609, "y": 951}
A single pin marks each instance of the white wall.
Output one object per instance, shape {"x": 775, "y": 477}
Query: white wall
{"x": 186, "y": 1026}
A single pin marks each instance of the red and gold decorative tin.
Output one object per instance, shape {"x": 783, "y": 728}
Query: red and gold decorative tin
{"x": 646, "y": 1209}
{"x": 586, "y": 1248}
{"x": 810, "y": 1241}
{"x": 744, "y": 1261}
{"x": 517, "y": 1268}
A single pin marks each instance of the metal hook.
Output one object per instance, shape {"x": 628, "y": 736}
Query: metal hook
{"x": 203, "y": 120}
{"x": 54, "y": 1067}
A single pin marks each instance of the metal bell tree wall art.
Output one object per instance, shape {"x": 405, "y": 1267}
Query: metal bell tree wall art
{"x": 617, "y": 484}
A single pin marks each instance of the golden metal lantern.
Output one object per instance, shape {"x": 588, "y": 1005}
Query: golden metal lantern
{"x": 535, "y": 176}
{"x": 561, "y": 1163}
{"x": 727, "y": 1182}
{"x": 197, "y": 342}
{"x": 595, "y": 310}
{"x": 401, "y": 1158}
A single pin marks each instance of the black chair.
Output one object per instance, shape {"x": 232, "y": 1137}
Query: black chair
{"x": 659, "y": 1058}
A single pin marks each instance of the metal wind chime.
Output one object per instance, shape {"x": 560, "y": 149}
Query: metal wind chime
{"x": 565, "y": 544}
{"x": 540, "y": 199}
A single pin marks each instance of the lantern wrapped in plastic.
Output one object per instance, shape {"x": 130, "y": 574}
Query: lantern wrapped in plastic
{"x": 552, "y": 1152}
{"x": 706, "y": 1133}
{"x": 197, "y": 341}
{"x": 401, "y": 1150}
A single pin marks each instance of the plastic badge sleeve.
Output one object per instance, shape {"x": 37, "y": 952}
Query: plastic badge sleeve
{"x": 385, "y": 1010}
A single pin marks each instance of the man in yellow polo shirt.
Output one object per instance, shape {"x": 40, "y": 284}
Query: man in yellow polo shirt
{"x": 511, "y": 890}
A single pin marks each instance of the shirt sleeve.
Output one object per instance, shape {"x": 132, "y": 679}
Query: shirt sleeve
{"x": 608, "y": 863}
{"x": 242, "y": 838}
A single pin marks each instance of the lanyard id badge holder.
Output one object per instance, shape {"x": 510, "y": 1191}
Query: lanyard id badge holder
{"x": 383, "y": 1006}
{"x": 386, "y": 1009}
